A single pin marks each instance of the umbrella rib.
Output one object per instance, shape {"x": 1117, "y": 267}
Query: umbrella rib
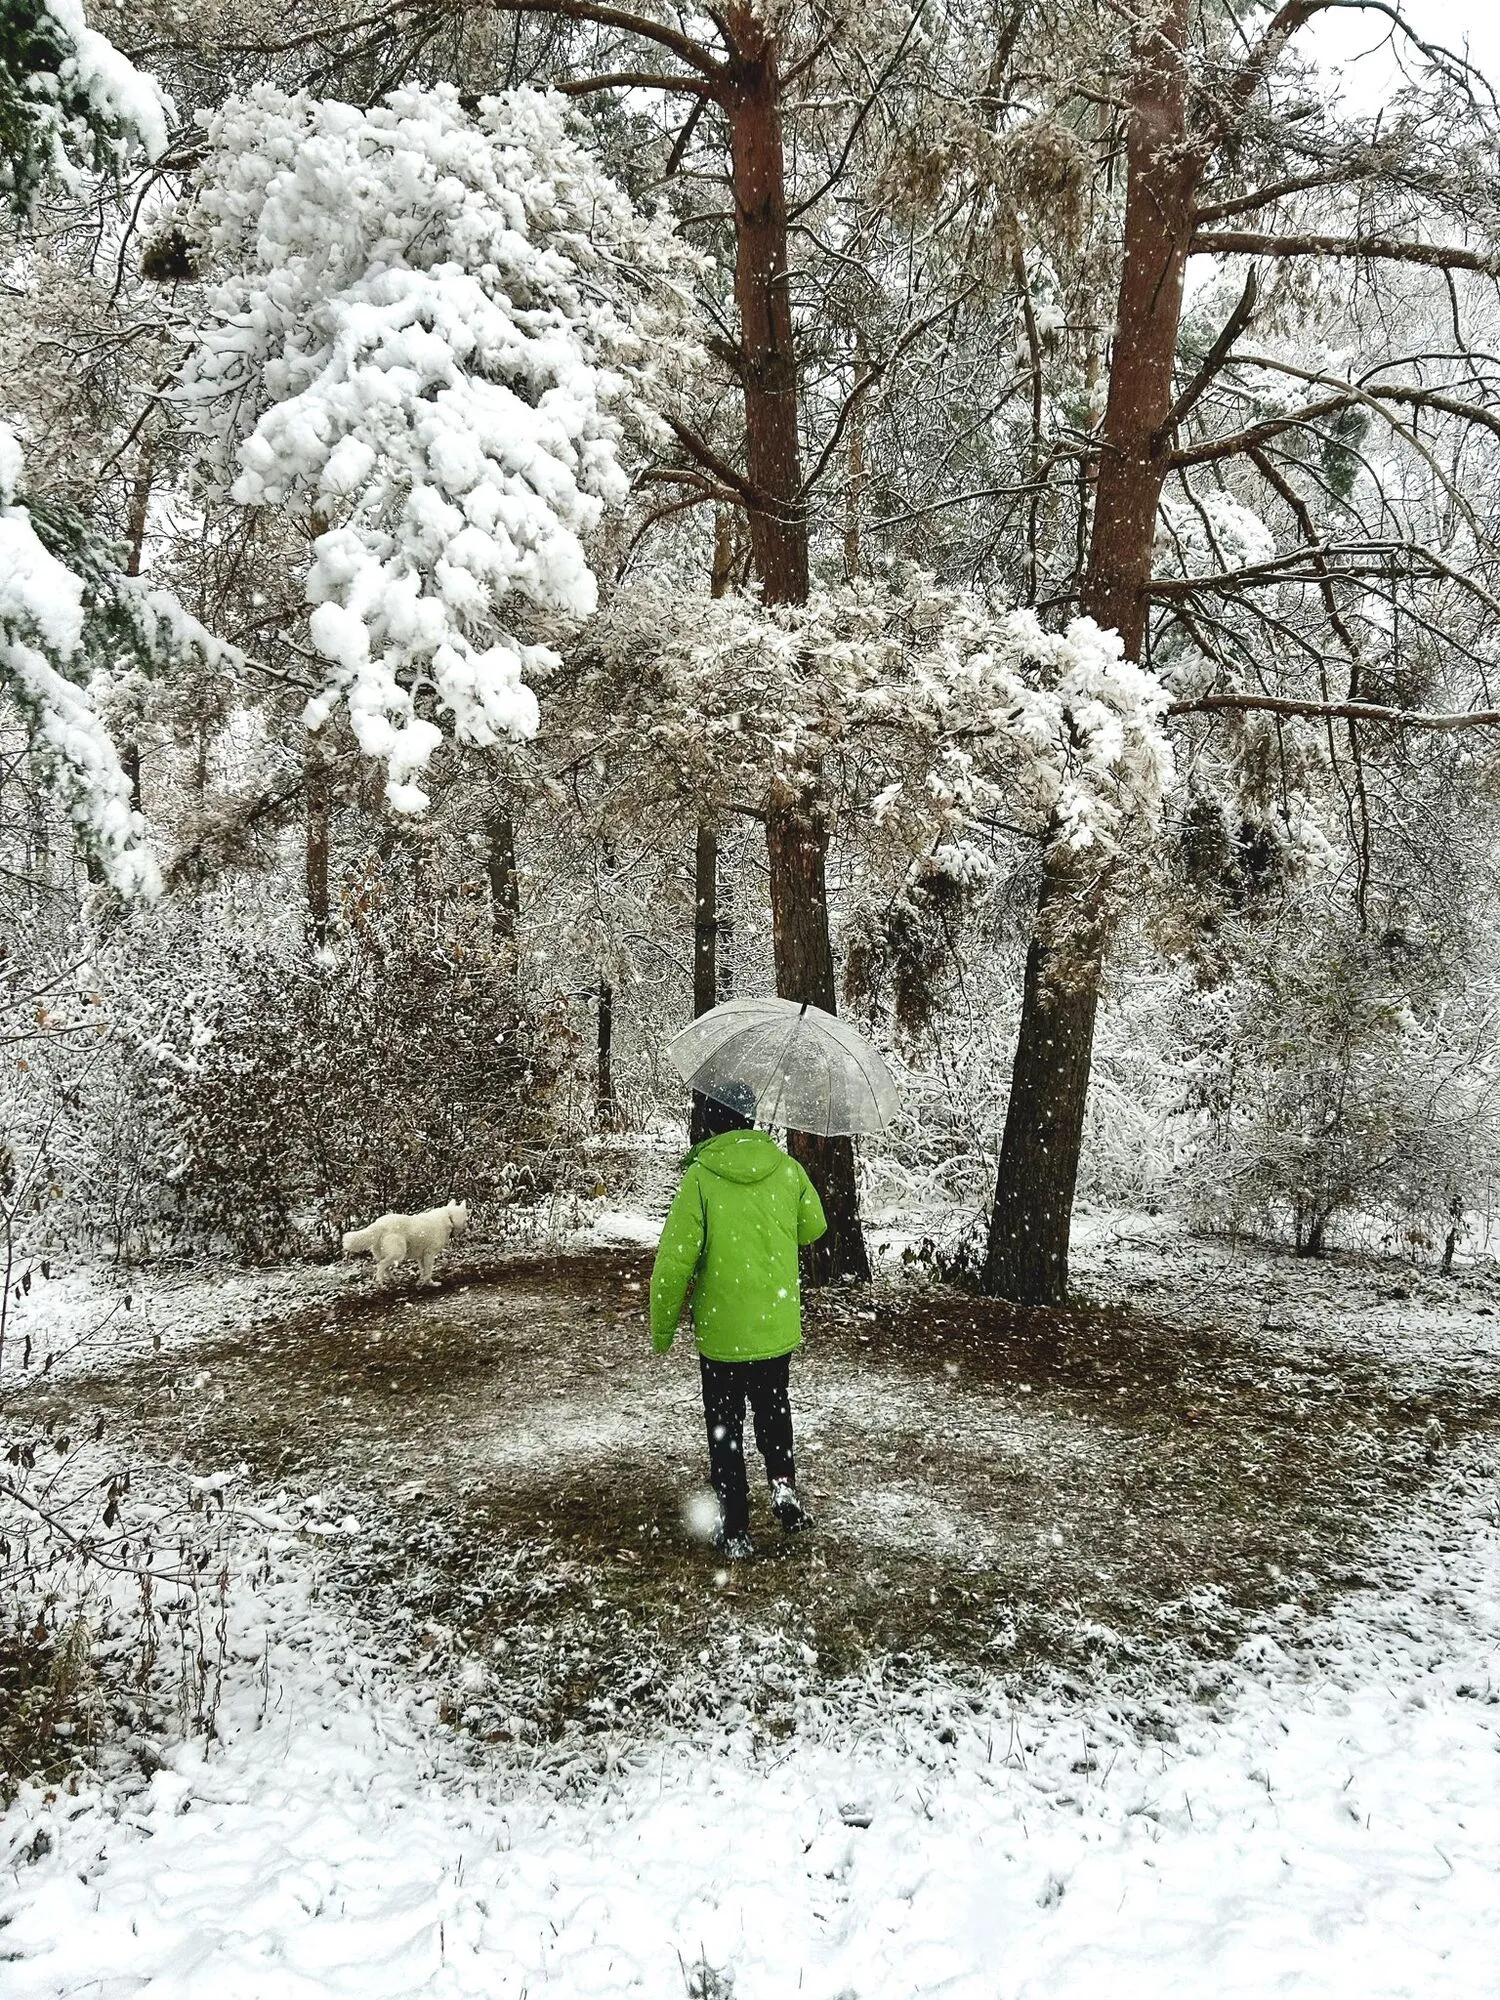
{"x": 786, "y": 1049}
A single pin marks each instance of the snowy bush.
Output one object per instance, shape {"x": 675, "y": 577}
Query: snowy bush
{"x": 1328, "y": 1086}
{"x": 113, "y": 1587}
{"x": 394, "y": 1071}
{"x": 412, "y": 345}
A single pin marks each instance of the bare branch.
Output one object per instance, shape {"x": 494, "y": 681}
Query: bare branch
{"x": 748, "y": 493}
{"x": 684, "y": 138}
{"x": 874, "y": 372}
{"x": 1294, "y": 15}
{"x": 833, "y": 179}
{"x": 1261, "y": 434}
{"x": 1214, "y": 360}
{"x": 1337, "y": 711}
{"x": 635, "y": 79}
{"x": 1373, "y": 249}
{"x": 1246, "y": 204}
{"x": 686, "y": 50}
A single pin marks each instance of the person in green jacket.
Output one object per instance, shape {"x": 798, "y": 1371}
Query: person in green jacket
{"x": 731, "y": 1239}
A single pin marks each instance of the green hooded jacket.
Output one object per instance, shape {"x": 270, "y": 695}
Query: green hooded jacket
{"x": 731, "y": 1237}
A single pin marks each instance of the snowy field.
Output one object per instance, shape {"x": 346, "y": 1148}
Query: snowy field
{"x": 1319, "y": 1814}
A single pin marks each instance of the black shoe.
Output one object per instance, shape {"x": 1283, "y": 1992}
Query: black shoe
{"x": 788, "y": 1508}
{"x": 738, "y": 1548}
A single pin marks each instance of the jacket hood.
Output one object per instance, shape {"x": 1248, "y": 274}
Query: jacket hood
{"x": 739, "y": 1156}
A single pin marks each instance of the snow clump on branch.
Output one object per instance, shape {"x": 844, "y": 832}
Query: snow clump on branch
{"x": 421, "y": 344}
{"x": 1061, "y": 719}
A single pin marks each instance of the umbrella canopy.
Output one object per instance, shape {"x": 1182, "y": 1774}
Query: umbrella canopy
{"x": 808, "y": 1070}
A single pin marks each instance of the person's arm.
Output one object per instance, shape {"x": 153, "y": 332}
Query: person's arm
{"x": 676, "y": 1263}
{"x": 811, "y": 1221}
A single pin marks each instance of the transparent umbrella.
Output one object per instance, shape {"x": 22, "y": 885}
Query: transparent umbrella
{"x": 808, "y": 1070}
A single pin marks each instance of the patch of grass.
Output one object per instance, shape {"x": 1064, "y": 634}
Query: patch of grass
{"x": 49, "y": 1702}
{"x": 996, "y": 1491}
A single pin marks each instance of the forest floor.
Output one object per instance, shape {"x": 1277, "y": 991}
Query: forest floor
{"x": 1195, "y": 1528}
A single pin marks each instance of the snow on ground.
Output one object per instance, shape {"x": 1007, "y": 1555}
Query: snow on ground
{"x": 1330, "y": 1822}
{"x": 1324, "y": 1817}
{"x": 87, "y": 1316}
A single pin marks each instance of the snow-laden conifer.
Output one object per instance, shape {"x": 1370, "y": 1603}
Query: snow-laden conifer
{"x": 942, "y": 709}
{"x": 69, "y": 98}
{"x": 69, "y": 621}
{"x": 416, "y": 343}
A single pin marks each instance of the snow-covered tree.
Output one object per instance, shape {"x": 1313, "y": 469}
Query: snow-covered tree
{"x": 910, "y": 706}
{"x": 68, "y": 100}
{"x": 419, "y": 343}
{"x": 70, "y": 621}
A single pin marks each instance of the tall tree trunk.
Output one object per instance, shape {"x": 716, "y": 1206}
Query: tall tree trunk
{"x": 316, "y": 769}
{"x": 505, "y": 884}
{"x": 706, "y": 858}
{"x": 858, "y": 477}
{"x": 796, "y": 827}
{"x": 1027, "y": 1255}
{"x": 605, "y": 1103}
{"x": 778, "y": 528}
{"x": 722, "y": 573}
{"x": 724, "y": 936}
{"x": 135, "y": 539}
{"x": 705, "y": 949}
{"x": 797, "y": 840}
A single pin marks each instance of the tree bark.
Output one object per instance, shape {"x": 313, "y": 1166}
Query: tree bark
{"x": 705, "y": 949}
{"x": 796, "y": 829}
{"x": 605, "y": 1103}
{"x": 505, "y": 884}
{"x": 317, "y": 843}
{"x": 706, "y": 921}
{"x": 778, "y": 530}
{"x": 797, "y": 843}
{"x": 1027, "y": 1254}
{"x": 722, "y": 573}
{"x": 858, "y": 477}
{"x": 135, "y": 538}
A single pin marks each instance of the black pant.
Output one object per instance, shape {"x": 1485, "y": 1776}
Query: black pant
{"x": 726, "y": 1384}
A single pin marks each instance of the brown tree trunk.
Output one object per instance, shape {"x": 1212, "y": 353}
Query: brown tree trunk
{"x": 135, "y": 538}
{"x": 605, "y": 1103}
{"x": 317, "y": 842}
{"x": 705, "y": 949}
{"x": 722, "y": 573}
{"x": 796, "y": 829}
{"x": 858, "y": 477}
{"x": 778, "y": 528}
{"x": 797, "y": 843}
{"x": 505, "y": 884}
{"x": 1027, "y": 1255}
{"x": 706, "y": 859}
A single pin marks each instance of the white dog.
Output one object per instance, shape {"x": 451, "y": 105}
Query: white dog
{"x": 416, "y": 1239}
